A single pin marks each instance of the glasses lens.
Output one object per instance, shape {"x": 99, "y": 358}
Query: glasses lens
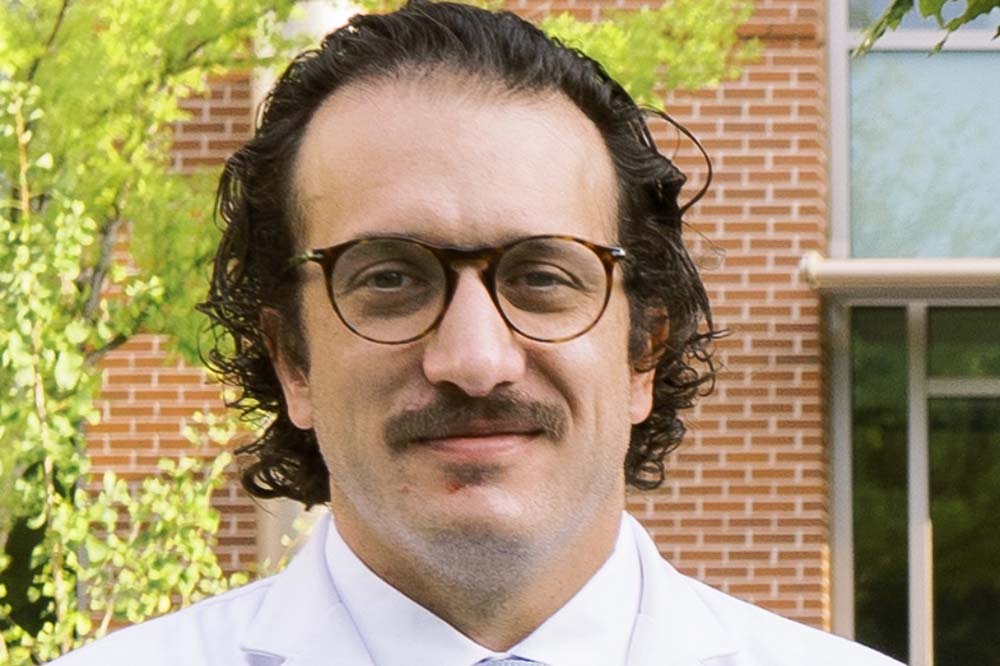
{"x": 388, "y": 290}
{"x": 551, "y": 288}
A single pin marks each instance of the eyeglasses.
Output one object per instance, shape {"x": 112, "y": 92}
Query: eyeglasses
{"x": 395, "y": 290}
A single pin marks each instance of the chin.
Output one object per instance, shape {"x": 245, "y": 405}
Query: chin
{"x": 480, "y": 545}
{"x": 490, "y": 523}
{"x": 486, "y": 507}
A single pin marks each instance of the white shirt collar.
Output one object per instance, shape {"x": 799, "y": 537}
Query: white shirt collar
{"x": 594, "y": 628}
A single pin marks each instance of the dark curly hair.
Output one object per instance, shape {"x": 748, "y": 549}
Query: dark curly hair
{"x": 667, "y": 302}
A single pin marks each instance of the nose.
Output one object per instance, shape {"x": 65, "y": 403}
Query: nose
{"x": 472, "y": 347}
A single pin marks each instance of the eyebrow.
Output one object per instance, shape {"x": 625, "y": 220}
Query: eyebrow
{"x": 439, "y": 239}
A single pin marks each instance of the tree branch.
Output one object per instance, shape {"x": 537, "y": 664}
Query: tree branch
{"x": 109, "y": 235}
{"x": 198, "y": 46}
{"x": 32, "y": 70}
{"x": 91, "y": 358}
{"x": 49, "y": 42}
{"x": 60, "y": 593}
{"x": 23, "y": 193}
{"x": 112, "y": 599}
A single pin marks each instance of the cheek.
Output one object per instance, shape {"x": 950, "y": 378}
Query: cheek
{"x": 615, "y": 389}
{"x": 595, "y": 377}
{"x": 355, "y": 383}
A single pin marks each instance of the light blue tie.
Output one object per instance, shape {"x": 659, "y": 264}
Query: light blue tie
{"x": 508, "y": 661}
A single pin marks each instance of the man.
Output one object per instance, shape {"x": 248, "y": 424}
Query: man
{"x": 453, "y": 272}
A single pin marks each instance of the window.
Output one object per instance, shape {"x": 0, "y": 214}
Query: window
{"x": 912, "y": 148}
{"x": 923, "y": 163}
{"x": 926, "y": 433}
{"x": 915, "y": 360}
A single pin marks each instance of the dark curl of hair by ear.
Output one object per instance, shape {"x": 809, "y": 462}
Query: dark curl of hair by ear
{"x": 671, "y": 324}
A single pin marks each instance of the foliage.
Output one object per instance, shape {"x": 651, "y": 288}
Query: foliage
{"x": 135, "y": 552}
{"x": 898, "y": 9}
{"x": 682, "y": 45}
{"x": 88, "y": 92}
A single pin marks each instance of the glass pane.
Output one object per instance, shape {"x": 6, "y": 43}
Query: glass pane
{"x": 863, "y": 12}
{"x": 879, "y": 416}
{"x": 923, "y": 155}
{"x": 964, "y": 342}
{"x": 965, "y": 503}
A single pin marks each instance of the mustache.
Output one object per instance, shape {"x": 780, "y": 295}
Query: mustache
{"x": 455, "y": 412}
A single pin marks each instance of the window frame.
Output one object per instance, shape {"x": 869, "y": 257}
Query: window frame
{"x": 838, "y": 304}
{"x": 841, "y": 41}
{"x": 920, "y": 388}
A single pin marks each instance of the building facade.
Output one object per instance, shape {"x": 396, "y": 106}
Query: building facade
{"x": 850, "y": 244}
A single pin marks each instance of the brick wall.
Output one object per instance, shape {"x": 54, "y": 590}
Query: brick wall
{"x": 148, "y": 398}
{"x": 745, "y": 504}
{"x": 745, "y": 507}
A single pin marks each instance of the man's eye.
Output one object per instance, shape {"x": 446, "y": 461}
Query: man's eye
{"x": 388, "y": 281}
{"x": 539, "y": 280}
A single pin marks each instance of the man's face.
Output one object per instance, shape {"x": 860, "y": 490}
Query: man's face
{"x": 526, "y": 439}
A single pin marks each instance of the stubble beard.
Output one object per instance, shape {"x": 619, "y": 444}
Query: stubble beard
{"x": 480, "y": 565}
{"x": 482, "y": 561}
{"x": 472, "y": 568}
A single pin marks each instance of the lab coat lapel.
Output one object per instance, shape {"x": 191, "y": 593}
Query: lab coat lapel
{"x": 301, "y": 620}
{"x": 674, "y": 626}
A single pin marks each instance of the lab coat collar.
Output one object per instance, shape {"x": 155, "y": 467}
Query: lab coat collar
{"x": 674, "y": 626}
{"x": 301, "y": 620}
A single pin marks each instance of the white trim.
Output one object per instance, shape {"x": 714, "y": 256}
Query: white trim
{"x": 839, "y": 142}
{"x": 924, "y": 40}
{"x": 938, "y": 273}
{"x": 918, "y": 493}
{"x": 312, "y": 18}
{"x": 963, "y": 387}
{"x": 890, "y": 301}
{"x": 841, "y": 472}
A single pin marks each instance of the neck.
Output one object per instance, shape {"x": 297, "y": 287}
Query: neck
{"x": 496, "y": 593}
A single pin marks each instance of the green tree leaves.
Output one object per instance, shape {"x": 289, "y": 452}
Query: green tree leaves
{"x": 898, "y": 9}
{"x": 680, "y": 45}
{"x": 88, "y": 92}
{"x": 683, "y": 44}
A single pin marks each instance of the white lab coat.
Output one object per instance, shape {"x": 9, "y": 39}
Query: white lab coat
{"x": 296, "y": 619}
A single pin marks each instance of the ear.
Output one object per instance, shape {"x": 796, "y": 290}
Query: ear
{"x": 641, "y": 384}
{"x": 294, "y": 380}
{"x": 640, "y": 396}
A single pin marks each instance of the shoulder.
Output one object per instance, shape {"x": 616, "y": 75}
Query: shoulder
{"x": 769, "y": 639}
{"x": 203, "y": 634}
{"x": 715, "y": 629}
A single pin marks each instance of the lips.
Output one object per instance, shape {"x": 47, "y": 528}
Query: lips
{"x": 454, "y": 420}
{"x": 481, "y": 430}
{"x": 480, "y": 442}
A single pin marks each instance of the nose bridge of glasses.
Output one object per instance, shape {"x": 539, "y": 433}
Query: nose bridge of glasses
{"x": 482, "y": 263}
{"x": 477, "y": 264}
{"x": 482, "y": 259}
{"x": 476, "y": 269}
{"x": 471, "y": 307}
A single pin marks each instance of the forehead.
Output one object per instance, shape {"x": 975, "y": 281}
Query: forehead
{"x": 453, "y": 164}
